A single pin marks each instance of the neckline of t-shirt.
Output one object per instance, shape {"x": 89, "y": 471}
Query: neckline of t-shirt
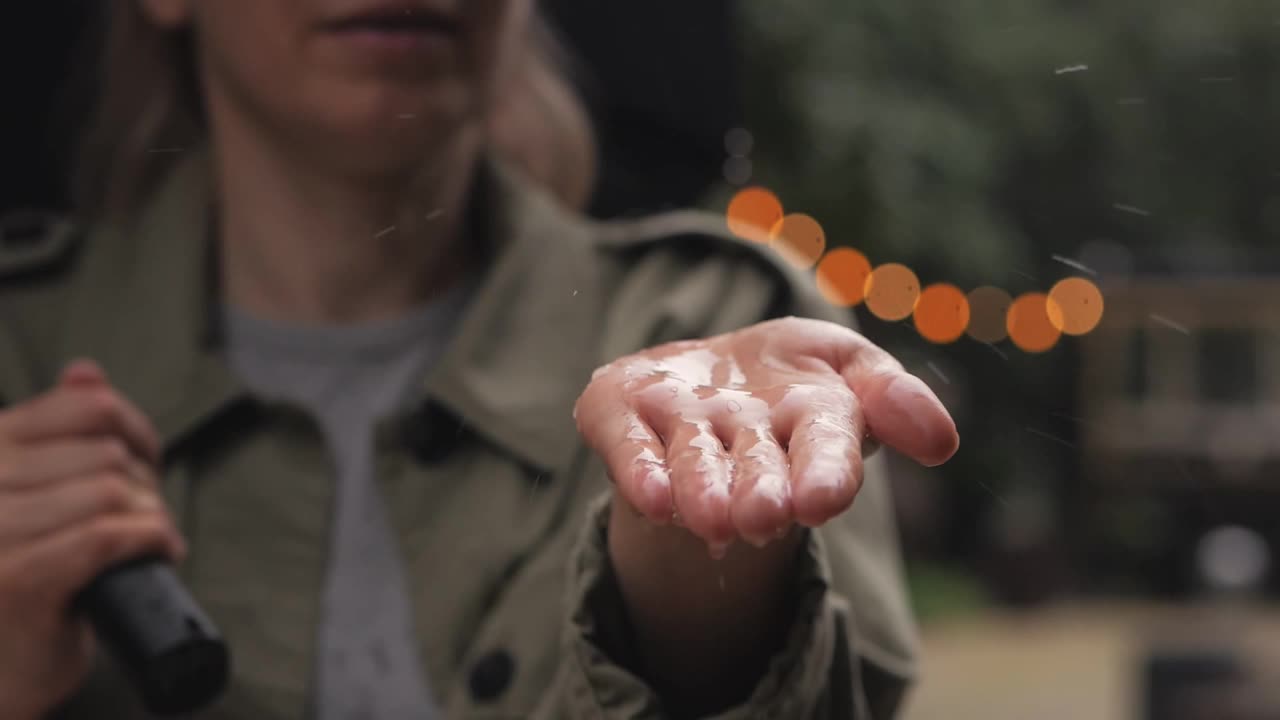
{"x": 317, "y": 342}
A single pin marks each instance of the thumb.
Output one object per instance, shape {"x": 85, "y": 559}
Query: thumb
{"x": 903, "y": 413}
{"x": 81, "y": 372}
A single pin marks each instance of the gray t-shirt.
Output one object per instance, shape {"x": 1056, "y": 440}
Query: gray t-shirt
{"x": 349, "y": 378}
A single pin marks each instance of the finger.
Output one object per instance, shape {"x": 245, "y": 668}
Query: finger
{"x": 824, "y": 445}
{"x": 30, "y": 466}
{"x": 701, "y": 478}
{"x": 83, "y": 372}
{"x": 903, "y": 413}
{"x": 58, "y": 566}
{"x": 39, "y": 512}
{"x": 633, "y": 452}
{"x": 761, "y": 498}
{"x": 85, "y": 410}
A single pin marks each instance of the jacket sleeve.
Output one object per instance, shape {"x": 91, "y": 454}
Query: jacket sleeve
{"x": 849, "y": 653}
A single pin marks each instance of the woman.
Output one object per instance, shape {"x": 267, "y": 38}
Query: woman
{"x": 330, "y": 357}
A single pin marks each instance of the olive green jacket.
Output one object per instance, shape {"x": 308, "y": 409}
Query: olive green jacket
{"x": 499, "y": 509}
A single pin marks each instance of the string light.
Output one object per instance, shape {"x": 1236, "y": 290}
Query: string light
{"x": 842, "y": 277}
{"x": 892, "y": 291}
{"x": 942, "y": 312}
{"x": 1029, "y": 325}
{"x": 1075, "y": 306}
{"x": 753, "y": 213}
{"x": 799, "y": 239}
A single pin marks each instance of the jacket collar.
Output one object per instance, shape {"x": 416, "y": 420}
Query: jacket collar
{"x": 144, "y": 306}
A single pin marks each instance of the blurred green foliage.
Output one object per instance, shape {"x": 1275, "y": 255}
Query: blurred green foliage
{"x": 976, "y": 139}
{"x": 982, "y": 135}
{"x": 940, "y": 592}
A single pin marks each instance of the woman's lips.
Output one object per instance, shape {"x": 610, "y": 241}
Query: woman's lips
{"x": 396, "y": 40}
{"x": 405, "y": 31}
{"x": 395, "y": 19}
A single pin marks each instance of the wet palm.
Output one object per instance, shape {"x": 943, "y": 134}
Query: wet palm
{"x": 743, "y": 434}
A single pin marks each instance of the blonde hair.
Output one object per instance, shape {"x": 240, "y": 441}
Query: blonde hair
{"x": 540, "y": 123}
{"x": 149, "y": 110}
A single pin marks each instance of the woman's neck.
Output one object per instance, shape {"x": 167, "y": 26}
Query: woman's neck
{"x": 300, "y": 244}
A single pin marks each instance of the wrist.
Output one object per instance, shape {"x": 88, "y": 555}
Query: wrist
{"x": 705, "y": 629}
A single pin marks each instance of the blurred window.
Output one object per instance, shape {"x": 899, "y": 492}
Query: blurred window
{"x": 1135, "y": 354}
{"x": 1228, "y": 365}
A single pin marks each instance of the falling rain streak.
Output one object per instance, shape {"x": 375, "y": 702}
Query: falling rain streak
{"x": 938, "y": 372}
{"x": 997, "y": 351}
{"x": 1177, "y": 327}
{"x": 993, "y": 494}
{"x": 1053, "y": 438}
{"x": 1131, "y": 210}
{"x": 1075, "y": 264}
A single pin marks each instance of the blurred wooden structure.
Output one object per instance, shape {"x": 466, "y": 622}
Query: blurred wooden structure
{"x": 1179, "y": 408}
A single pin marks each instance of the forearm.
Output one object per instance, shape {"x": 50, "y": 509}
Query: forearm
{"x": 705, "y": 629}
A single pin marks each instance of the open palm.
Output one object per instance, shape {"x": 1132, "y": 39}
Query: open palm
{"x": 743, "y": 434}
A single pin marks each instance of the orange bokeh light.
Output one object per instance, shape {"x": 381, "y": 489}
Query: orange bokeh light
{"x": 753, "y": 212}
{"x": 1075, "y": 306}
{"x": 842, "y": 277}
{"x": 988, "y": 314}
{"x": 799, "y": 239}
{"x": 1029, "y": 325}
{"x": 892, "y": 291}
{"x": 942, "y": 313}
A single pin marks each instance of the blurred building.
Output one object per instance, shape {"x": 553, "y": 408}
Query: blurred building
{"x": 1179, "y": 413}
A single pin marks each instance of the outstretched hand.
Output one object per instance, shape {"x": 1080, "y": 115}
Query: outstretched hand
{"x": 742, "y": 435}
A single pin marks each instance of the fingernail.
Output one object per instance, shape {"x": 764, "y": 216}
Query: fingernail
{"x": 655, "y": 490}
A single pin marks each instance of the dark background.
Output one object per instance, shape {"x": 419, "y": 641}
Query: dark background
{"x": 660, "y": 78}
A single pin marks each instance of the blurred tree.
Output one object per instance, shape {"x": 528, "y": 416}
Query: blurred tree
{"x": 976, "y": 139}
{"x": 977, "y": 134}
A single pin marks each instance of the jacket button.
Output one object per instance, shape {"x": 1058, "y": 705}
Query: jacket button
{"x": 431, "y": 432}
{"x": 491, "y": 675}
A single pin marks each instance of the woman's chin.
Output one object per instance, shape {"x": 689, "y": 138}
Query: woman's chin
{"x": 387, "y": 139}
{"x": 388, "y": 152}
